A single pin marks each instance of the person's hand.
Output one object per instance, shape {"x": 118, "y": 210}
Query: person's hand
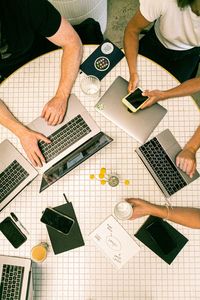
{"x": 133, "y": 82}
{"x": 186, "y": 161}
{"x": 29, "y": 141}
{"x": 54, "y": 110}
{"x": 154, "y": 96}
{"x": 141, "y": 207}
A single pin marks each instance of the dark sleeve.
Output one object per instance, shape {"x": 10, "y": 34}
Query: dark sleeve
{"x": 44, "y": 17}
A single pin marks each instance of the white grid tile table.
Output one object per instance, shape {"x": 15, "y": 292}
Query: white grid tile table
{"x": 84, "y": 273}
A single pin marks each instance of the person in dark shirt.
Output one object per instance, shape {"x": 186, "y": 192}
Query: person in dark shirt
{"x": 29, "y": 28}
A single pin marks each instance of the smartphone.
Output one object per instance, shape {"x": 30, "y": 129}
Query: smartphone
{"x": 12, "y": 232}
{"x": 57, "y": 220}
{"x": 161, "y": 237}
{"x": 134, "y": 100}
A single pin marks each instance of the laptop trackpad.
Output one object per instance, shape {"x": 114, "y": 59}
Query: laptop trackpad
{"x": 40, "y": 125}
{"x": 2, "y": 166}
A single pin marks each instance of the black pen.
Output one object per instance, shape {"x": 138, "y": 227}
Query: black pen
{"x": 65, "y": 198}
{"x": 15, "y": 218}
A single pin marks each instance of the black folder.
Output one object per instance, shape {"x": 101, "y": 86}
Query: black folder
{"x": 64, "y": 242}
{"x": 145, "y": 237}
{"x": 99, "y": 57}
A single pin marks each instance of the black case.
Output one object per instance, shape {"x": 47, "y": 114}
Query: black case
{"x": 12, "y": 232}
{"x": 145, "y": 237}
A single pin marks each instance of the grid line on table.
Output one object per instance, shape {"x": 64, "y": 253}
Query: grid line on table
{"x": 84, "y": 273}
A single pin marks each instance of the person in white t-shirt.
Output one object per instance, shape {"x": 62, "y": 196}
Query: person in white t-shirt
{"x": 173, "y": 41}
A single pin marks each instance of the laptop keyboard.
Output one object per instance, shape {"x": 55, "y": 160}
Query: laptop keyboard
{"x": 10, "y": 178}
{"x": 11, "y": 282}
{"x": 162, "y": 165}
{"x": 64, "y": 137}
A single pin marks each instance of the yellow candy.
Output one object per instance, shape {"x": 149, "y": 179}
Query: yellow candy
{"x": 103, "y": 182}
{"x": 126, "y": 182}
{"x": 92, "y": 176}
{"x": 101, "y": 175}
{"x": 103, "y": 171}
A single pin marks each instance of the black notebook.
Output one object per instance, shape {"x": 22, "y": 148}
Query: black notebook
{"x": 64, "y": 242}
{"x": 162, "y": 238}
{"x": 102, "y": 60}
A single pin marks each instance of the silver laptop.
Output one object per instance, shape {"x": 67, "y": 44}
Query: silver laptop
{"x": 159, "y": 156}
{"x": 16, "y": 278}
{"x": 77, "y": 128}
{"x": 140, "y": 124}
{"x": 15, "y": 173}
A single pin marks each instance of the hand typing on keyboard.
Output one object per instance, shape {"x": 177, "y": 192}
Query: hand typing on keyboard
{"x": 54, "y": 110}
{"x": 186, "y": 159}
{"x": 29, "y": 140}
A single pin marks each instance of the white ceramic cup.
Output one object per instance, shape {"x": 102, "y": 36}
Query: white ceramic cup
{"x": 90, "y": 86}
{"x": 123, "y": 210}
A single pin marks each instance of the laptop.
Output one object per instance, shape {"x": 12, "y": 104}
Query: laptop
{"x": 15, "y": 173}
{"x": 159, "y": 156}
{"x": 77, "y": 128}
{"x": 73, "y": 141}
{"x": 140, "y": 124}
{"x": 16, "y": 278}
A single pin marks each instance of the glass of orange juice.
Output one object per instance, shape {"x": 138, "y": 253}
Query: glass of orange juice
{"x": 39, "y": 252}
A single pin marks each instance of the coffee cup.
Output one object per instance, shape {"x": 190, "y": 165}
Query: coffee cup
{"x": 123, "y": 210}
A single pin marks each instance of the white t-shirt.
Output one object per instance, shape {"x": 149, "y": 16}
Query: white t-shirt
{"x": 176, "y": 28}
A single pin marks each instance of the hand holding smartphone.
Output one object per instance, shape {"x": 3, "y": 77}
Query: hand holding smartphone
{"x": 57, "y": 220}
{"x": 135, "y": 100}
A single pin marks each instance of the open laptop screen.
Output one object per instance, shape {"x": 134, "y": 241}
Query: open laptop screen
{"x": 75, "y": 158}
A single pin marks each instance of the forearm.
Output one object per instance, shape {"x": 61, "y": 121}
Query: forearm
{"x": 131, "y": 45}
{"x": 194, "y": 143}
{"x": 186, "y": 216}
{"x": 70, "y": 62}
{"x": 8, "y": 120}
{"x": 188, "y": 87}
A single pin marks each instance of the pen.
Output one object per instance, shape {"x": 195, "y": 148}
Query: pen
{"x": 65, "y": 198}
{"x": 17, "y": 221}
